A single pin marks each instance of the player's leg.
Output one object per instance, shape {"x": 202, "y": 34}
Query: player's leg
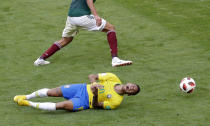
{"x": 50, "y": 106}
{"x": 80, "y": 102}
{"x": 89, "y": 23}
{"x": 66, "y": 105}
{"x": 67, "y": 36}
{"x": 112, "y": 39}
{"x": 39, "y": 105}
{"x": 45, "y": 92}
{"x": 22, "y": 100}
{"x": 74, "y": 104}
{"x": 53, "y": 49}
{"x": 55, "y": 92}
{"x": 56, "y": 46}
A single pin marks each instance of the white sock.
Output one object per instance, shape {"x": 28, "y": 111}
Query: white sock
{"x": 43, "y": 106}
{"x": 115, "y": 59}
{"x": 39, "y": 93}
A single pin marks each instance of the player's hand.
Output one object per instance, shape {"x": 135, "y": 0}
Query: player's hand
{"x": 94, "y": 83}
{"x": 99, "y": 86}
{"x": 98, "y": 20}
{"x": 94, "y": 88}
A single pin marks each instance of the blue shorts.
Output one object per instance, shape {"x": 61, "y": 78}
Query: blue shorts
{"x": 78, "y": 94}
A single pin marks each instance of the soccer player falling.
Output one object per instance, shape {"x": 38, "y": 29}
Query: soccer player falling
{"x": 108, "y": 93}
{"x": 82, "y": 15}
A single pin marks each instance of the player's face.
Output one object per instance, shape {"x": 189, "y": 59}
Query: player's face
{"x": 130, "y": 88}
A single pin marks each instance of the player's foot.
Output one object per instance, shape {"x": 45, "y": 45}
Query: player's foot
{"x": 23, "y": 102}
{"x": 40, "y": 62}
{"x": 118, "y": 62}
{"x": 19, "y": 97}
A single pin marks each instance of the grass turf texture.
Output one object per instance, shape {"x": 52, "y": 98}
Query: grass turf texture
{"x": 167, "y": 40}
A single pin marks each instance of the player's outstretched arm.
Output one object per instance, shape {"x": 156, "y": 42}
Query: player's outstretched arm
{"x": 94, "y": 89}
{"x": 94, "y": 12}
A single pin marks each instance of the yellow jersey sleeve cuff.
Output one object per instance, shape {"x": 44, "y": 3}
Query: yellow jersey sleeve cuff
{"x": 107, "y": 105}
{"x": 99, "y": 76}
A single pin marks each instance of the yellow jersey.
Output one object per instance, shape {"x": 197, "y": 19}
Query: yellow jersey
{"x": 110, "y": 98}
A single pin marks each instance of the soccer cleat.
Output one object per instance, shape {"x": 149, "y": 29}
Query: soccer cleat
{"x": 118, "y": 62}
{"x": 40, "y": 62}
{"x": 23, "y": 102}
{"x": 19, "y": 97}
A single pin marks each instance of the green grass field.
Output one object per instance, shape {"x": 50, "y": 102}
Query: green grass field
{"x": 166, "y": 39}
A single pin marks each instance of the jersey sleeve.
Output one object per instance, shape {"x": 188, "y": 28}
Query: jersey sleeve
{"x": 108, "y": 77}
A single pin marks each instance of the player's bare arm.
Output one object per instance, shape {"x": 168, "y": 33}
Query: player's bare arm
{"x": 94, "y": 89}
{"x": 93, "y": 78}
{"x": 94, "y": 12}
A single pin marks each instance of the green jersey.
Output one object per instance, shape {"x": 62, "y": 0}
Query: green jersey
{"x": 79, "y": 8}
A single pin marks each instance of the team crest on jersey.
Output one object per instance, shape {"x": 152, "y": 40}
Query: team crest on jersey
{"x": 67, "y": 86}
{"x": 109, "y": 96}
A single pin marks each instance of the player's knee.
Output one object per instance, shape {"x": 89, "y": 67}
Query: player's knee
{"x": 68, "y": 106}
{"x": 55, "y": 92}
{"x": 68, "y": 39}
{"x": 65, "y": 41}
{"x": 111, "y": 27}
{"x": 50, "y": 92}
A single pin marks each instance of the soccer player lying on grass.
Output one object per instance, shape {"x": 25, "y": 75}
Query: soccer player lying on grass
{"x": 80, "y": 17}
{"x": 107, "y": 93}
